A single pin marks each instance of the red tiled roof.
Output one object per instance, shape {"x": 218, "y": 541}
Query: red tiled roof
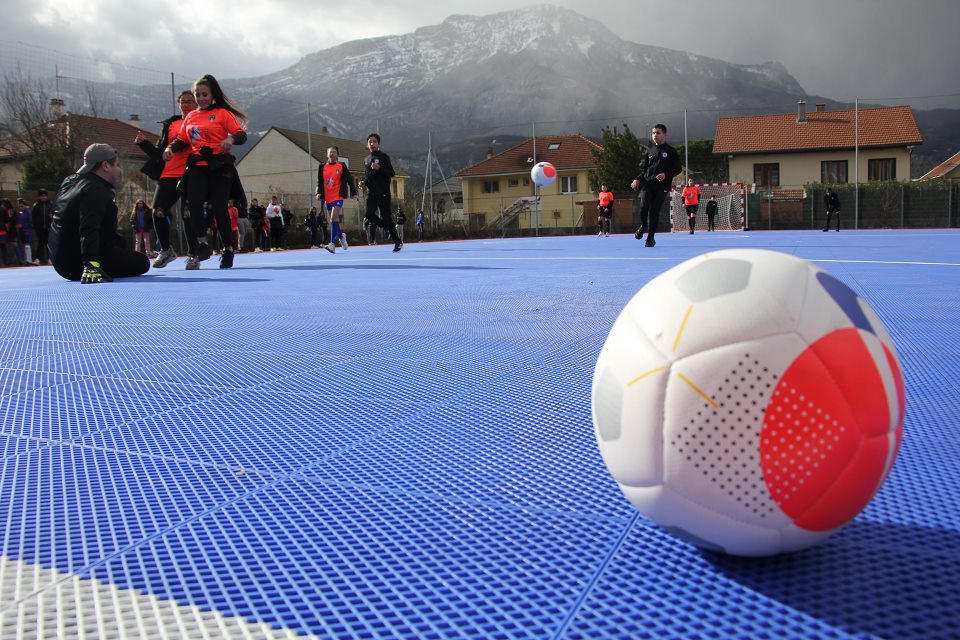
{"x": 574, "y": 152}
{"x": 89, "y": 129}
{"x": 878, "y": 127}
{"x": 943, "y": 168}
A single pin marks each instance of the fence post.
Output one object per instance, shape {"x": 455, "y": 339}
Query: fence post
{"x": 902, "y": 189}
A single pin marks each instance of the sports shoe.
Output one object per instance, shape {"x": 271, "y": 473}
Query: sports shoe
{"x": 330, "y": 248}
{"x": 258, "y": 250}
{"x": 165, "y": 258}
{"x": 226, "y": 259}
{"x": 203, "y": 252}
{"x": 639, "y": 234}
{"x": 650, "y": 242}
{"x": 397, "y": 247}
{"x": 606, "y": 235}
{"x": 599, "y": 233}
{"x": 314, "y": 247}
{"x": 343, "y": 242}
{"x": 193, "y": 263}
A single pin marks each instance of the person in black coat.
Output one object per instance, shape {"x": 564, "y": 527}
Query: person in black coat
{"x": 84, "y": 244}
{"x": 657, "y": 170}
{"x": 832, "y": 202}
{"x": 42, "y": 212}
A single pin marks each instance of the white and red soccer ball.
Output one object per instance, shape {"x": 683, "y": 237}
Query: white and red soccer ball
{"x": 543, "y": 174}
{"x": 749, "y": 402}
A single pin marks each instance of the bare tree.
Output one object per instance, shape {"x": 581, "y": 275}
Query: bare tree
{"x": 24, "y": 107}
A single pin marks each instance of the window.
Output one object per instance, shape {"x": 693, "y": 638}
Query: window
{"x": 882, "y": 169}
{"x": 513, "y": 182}
{"x": 568, "y": 184}
{"x": 833, "y": 171}
{"x": 767, "y": 175}
{"x": 491, "y": 186}
{"x": 526, "y": 182}
{"x": 553, "y": 146}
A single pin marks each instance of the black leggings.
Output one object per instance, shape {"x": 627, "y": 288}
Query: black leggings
{"x": 164, "y": 199}
{"x": 213, "y": 186}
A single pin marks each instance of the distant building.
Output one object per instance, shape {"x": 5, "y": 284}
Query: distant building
{"x": 818, "y": 147}
{"x": 284, "y": 162}
{"x": 445, "y": 200}
{"x": 75, "y": 133}
{"x": 498, "y": 191}
{"x": 949, "y": 169}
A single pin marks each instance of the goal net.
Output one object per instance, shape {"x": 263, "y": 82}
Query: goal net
{"x": 731, "y": 200}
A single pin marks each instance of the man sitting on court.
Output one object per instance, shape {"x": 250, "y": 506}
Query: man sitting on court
{"x": 84, "y": 244}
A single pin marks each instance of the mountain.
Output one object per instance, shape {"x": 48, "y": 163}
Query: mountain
{"x": 482, "y": 73}
{"x": 484, "y": 77}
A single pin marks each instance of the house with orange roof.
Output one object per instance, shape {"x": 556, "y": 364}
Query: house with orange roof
{"x": 77, "y": 132}
{"x": 498, "y": 191}
{"x": 829, "y": 147}
{"x": 949, "y": 169}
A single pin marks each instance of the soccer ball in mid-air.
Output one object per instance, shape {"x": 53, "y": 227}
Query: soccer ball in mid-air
{"x": 748, "y": 402}
{"x": 543, "y": 174}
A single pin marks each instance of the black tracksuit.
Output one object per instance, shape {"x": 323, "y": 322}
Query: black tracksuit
{"x": 658, "y": 159}
{"x": 378, "y": 192}
{"x": 84, "y": 229}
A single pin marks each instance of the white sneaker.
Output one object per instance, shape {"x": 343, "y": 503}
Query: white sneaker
{"x": 599, "y": 234}
{"x": 165, "y": 258}
{"x": 258, "y": 250}
{"x": 606, "y": 235}
{"x": 314, "y": 247}
{"x": 343, "y": 242}
{"x": 330, "y": 248}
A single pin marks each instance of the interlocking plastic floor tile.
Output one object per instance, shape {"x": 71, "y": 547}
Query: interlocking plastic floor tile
{"x": 384, "y": 446}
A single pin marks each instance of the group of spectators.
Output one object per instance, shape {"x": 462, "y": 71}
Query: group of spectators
{"x": 24, "y": 228}
{"x": 23, "y": 231}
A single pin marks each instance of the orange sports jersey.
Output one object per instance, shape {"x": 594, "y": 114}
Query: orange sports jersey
{"x": 175, "y": 166}
{"x": 691, "y": 195}
{"x": 332, "y": 175}
{"x": 605, "y": 198}
{"x": 208, "y": 128}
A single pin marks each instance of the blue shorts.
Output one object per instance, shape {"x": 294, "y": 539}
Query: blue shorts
{"x": 335, "y": 203}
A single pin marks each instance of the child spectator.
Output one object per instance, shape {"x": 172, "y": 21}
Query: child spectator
{"x": 141, "y": 221}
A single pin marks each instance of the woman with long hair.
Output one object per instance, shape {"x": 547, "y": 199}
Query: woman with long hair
{"x": 210, "y": 133}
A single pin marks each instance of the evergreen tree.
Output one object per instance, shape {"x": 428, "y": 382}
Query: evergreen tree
{"x": 46, "y": 170}
{"x": 618, "y": 163}
{"x": 705, "y": 166}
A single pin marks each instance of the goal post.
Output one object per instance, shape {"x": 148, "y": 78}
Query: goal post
{"x": 731, "y": 200}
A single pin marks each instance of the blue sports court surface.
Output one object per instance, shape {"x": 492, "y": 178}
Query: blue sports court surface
{"x": 370, "y": 445}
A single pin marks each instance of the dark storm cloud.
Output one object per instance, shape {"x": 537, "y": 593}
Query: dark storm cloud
{"x": 840, "y": 49}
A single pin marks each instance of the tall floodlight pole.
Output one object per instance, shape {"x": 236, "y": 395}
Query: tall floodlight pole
{"x": 430, "y": 173}
{"x": 536, "y": 203}
{"x": 686, "y": 150}
{"x": 309, "y": 158}
{"x": 856, "y": 163}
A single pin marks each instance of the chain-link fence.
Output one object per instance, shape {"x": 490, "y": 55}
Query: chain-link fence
{"x": 888, "y": 205}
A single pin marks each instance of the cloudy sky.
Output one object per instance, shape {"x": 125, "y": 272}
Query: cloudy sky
{"x": 841, "y": 49}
